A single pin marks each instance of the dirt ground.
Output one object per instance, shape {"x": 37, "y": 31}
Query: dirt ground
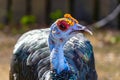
{"x": 106, "y": 51}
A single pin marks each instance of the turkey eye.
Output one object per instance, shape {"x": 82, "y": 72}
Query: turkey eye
{"x": 62, "y": 27}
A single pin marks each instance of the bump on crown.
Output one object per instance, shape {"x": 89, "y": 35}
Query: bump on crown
{"x": 69, "y": 19}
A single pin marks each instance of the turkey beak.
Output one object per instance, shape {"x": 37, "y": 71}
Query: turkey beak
{"x": 81, "y": 28}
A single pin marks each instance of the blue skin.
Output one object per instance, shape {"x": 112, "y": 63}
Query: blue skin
{"x": 57, "y": 59}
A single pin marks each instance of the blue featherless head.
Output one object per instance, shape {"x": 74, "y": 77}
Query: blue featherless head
{"x": 65, "y": 28}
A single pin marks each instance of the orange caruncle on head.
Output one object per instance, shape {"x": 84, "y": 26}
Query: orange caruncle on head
{"x": 69, "y": 19}
{"x": 72, "y": 20}
{"x": 66, "y": 22}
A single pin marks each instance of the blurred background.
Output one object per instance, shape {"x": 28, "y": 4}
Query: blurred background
{"x": 19, "y": 16}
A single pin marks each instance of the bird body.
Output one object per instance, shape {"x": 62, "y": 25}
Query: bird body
{"x": 42, "y": 55}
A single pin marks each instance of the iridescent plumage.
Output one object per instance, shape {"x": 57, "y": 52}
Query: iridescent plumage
{"x": 54, "y": 53}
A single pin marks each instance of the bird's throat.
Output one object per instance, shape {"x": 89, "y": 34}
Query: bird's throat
{"x": 57, "y": 59}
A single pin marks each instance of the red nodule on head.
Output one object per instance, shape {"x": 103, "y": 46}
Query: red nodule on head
{"x": 63, "y": 25}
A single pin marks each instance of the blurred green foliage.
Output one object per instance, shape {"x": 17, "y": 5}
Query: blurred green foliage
{"x": 28, "y": 19}
{"x": 115, "y": 39}
{"x": 56, "y": 14}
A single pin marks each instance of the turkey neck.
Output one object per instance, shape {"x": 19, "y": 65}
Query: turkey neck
{"x": 57, "y": 59}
